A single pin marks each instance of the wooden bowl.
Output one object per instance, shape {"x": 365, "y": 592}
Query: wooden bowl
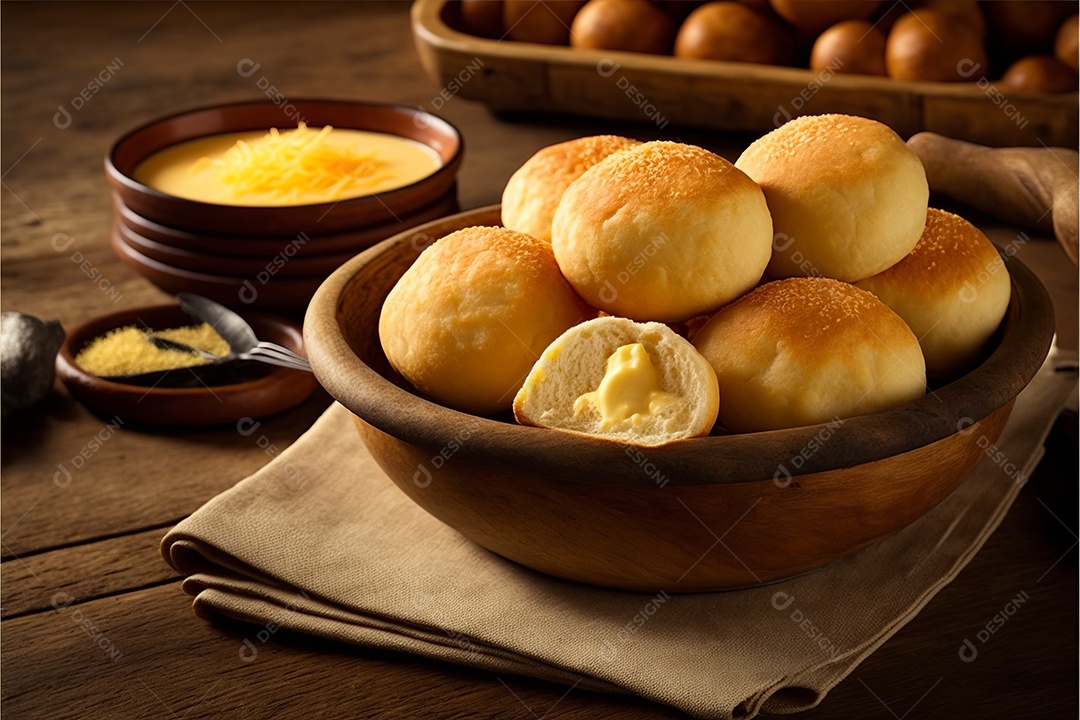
{"x": 134, "y": 147}
{"x": 705, "y": 514}
{"x": 278, "y": 389}
{"x": 266, "y": 247}
{"x": 254, "y": 291}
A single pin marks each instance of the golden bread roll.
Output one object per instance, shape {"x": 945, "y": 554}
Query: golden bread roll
{"x": 662, "y": 231}
{"x": 534, "y": 190}
{"x": 628, "y": 25}
{"x": 468, "y": 319}
{"x": 809, "y": 350}
{"x": 848, "y": 198}
{"x": 635, "y": 383}
{"x": 952, "y": 290}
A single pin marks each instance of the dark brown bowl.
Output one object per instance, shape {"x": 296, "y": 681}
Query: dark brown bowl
{"x": 277, "y": 390}
{"x": 254, "y": 291}
{"x": 266, "y": 247}
{"x": 323, "y": 218}
{"x": 654, "y": 518}
{"x": 286, "y": 262}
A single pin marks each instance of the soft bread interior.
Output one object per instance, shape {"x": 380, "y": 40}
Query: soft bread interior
{"x": 576, "y": 363}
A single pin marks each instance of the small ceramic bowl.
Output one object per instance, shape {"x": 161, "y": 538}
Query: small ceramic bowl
{"x": 649, "y": 518}
{"x": 275, "y": 390}
{"x": 266, "y": 247}
{"x": 290, "y": 266}
{"x": 265, "y": 292}
{"x": 347, "y": 215}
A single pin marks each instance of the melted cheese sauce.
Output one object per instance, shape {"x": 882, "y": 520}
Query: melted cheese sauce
{"x": 198, "y": 169}
{"x": 629, "y": 391}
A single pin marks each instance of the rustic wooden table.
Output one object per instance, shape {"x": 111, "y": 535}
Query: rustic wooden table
{"x": 94, "y": 622}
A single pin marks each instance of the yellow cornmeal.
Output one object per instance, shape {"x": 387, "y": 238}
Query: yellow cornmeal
{"x": 629, "y": 391}
{"x": 302, "y": 166}
{"x": 128, "y": 350}
{"x": 201, "y": 337}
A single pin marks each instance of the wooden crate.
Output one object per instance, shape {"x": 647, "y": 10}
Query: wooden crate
{"x": 517, "y": 76}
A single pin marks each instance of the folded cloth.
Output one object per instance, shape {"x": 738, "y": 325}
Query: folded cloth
{"x": 320, "y": 541}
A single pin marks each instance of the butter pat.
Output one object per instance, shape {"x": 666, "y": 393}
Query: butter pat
{"x": 630, "y": 389}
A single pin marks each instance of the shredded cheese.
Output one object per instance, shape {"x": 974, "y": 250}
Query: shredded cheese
{"x": 287, "y": 164}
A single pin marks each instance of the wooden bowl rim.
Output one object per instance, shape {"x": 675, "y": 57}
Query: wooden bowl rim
{"x": 735, "y": 458}
{"x": 120, "y": 178}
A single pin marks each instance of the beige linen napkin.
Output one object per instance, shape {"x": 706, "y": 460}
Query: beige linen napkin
{"x": 321, "y": 542}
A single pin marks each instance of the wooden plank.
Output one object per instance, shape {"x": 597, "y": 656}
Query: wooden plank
{"x": 71, "y": 477}
{"x": 89, "y": 571}
{"x": 170, "y": 659}
{"x": 170, "y": 663}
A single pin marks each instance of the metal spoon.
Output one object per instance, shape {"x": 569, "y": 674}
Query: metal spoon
{"x": 241, "y": 339}
{"x": 245, "y": 350}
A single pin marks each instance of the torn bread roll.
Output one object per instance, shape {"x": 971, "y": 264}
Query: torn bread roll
{"x": 613, "y": 378}
{"x": 805, "y": 351}
{"x": 952, "y": 290}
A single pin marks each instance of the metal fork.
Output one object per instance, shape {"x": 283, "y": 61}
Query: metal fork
{"x": 273, "y": 353}
{"x": 264, "y": 352}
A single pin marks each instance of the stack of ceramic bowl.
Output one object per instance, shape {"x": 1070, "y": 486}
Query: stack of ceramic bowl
{"x": 268, "y": 257}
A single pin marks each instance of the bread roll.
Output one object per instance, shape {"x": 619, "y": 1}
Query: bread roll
{"x": 952, "y": 290}
{"x": 848, "y": 198}
{"x": 469, "y": 318}
{"x": 533, "y": 192}
{"x": 629, "y": 382}
{"x": 809, "y": 350}
{"x": 662, "y": 231}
